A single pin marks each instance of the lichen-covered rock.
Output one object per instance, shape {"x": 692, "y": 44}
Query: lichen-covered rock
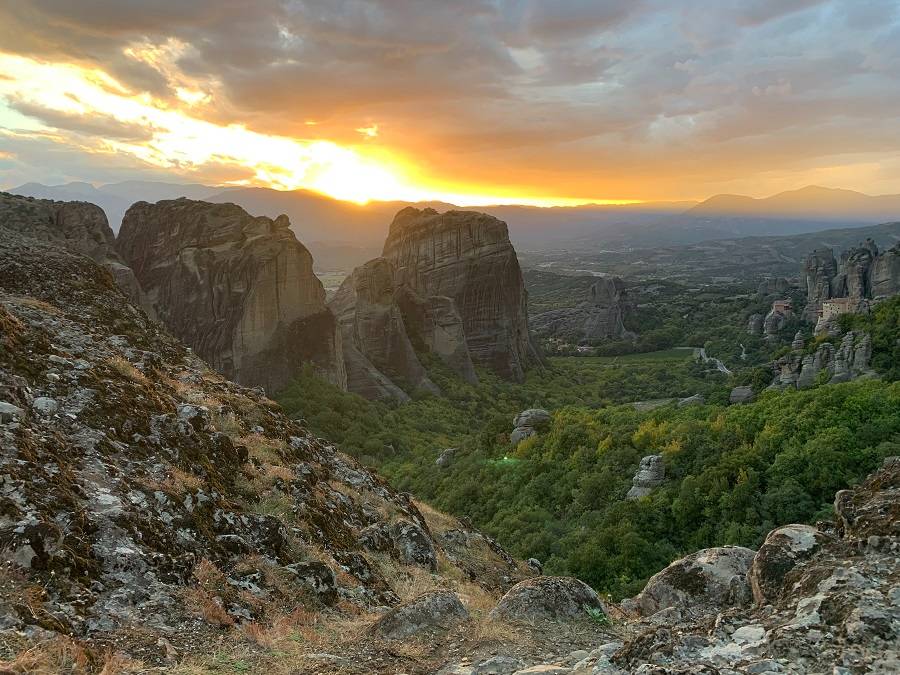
{"x": 238, "y": 289}
{"x": 318, "y": 577}
{"x": 708, "y": 580}
{"x": 431, "y": 612}
{"x": 413, "y": 545}
{"x": 549, "y": 599}
{"x": 467, "y": 256}
{"x": 780, "y": 553}
{"x": 371, "y": 322}
{"x": 650, "y": 475}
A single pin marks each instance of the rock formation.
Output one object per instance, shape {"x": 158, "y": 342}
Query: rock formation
{"x": 527, "y": 423}
{"x": 741, "y": 394}
{"x": 755, "y": 324}
{"x": 378, "y": 354}
{"x": 863, "y": 274}
{"x": 601, "y": 317}
{"x": 238, "y": 289}
{"x": 137, "y": 490}
{"x": 848, "y": 361}
{"x": 77, "y": 226}
{"x": 466, "y": 259}
{"x": 549, "y": 599}
{"x": 650, "y": 475}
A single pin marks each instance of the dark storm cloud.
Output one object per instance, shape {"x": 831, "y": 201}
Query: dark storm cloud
{"x": 645, "y": 77}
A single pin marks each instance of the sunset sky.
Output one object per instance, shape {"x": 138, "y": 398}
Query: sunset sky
{"x": 470, "y": 101}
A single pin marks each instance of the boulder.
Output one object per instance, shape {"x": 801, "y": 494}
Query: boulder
{"x": 431, "y": 612}
{"x": 779, "y": 554}
{"x": 708, "y": 580}
{"x": 9, "y": 412}
{"x": 238, "y": 289}
{"x": 467, "y": 256}
{"x": 413, "y": 545}
{"x": 445, "y": 458}
{"x": 696, "y": 399}
{"x": 742, "y": 395}
{"x": 548, "y": 599}
{"x": 874, "y": 512}
{"x": 650, "y": 475}
{"x": 318, "y": 577}
{"x": 372, "y": 325}
{"x": 527, "y": 422}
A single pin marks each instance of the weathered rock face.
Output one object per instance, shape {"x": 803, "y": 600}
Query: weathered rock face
{"x": 135, "y": 484}
{"x": 650, "y": 475}
{"x": 77, "y": 226}
{"x": 601, "y": 317}
{"x": 863, "y": 274}
{"x": 709, "y": 579}
{"x": 773, "y": 286}
{"x": 430, "y": 612}
{"x": 825, "y": 601}
{"x": 371, "y": 322}
{"x": 549, "y": 599}
{"x": 466, "y": 257}
{"x": 238, "y": 289}
{"x": 755, "y": 324}
{"x": 742, "y": 394}
{"x": 849, "y": 361}
{"x": 527, "y": 423}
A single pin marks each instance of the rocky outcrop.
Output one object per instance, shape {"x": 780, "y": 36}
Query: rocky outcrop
{"x": 238, "y": 289}
{"x": 431, "y": 612}
{"x": 827, "y": 364}
{"x": 773, "y": 286}
{"x": 527, "y": 423}
{"x": 704, "y": 581}
{"x": 741, "y": 394}
{"x": 755, "y": 324}
{"x": 601, "y": 317}
{"x": 650, "y": 475}
{"x": 863, "y": 274}
{"x": 149, "y": 503}
{"x": 79, "y": 227}
{"x": 466, "y": 258}
{"x": 380, "y": 361}
{"x": 549, "y": 599}
{"x": 825, "y": 601}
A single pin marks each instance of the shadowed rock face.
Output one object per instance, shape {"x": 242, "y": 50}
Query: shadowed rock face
{"x": 79, "y": 227}
{"x": 238, "y": 289}
{"x": 467, "y": 257}
{"x": 600, "y": 317}
{"x": 378, "y": 351}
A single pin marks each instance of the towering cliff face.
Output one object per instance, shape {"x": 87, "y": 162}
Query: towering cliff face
{"x": 377, "y": 350}
{"x": 864, "y": 273}
{"x": 79, "y": 227}
{"x": 467, "y": 258}
{"x": 600, "y": 317}
{"x": 238, "y": 289}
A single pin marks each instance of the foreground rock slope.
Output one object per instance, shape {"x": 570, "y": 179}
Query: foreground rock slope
{"x": 238, "y": 289}
{"x": 147, "y": 504}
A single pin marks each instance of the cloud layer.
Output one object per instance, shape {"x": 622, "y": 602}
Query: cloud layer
{"x": 627, "y": 99}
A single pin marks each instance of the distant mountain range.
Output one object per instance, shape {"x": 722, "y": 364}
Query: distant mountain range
{"x": 343, "y": 234}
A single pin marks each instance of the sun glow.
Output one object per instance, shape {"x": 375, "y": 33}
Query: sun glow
{"x": 160, "y": 133}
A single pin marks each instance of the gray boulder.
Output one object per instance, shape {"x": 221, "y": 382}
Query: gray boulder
{"x": 548, "y": 598}
{"x": 782, "y": 550}
{"x": 413, "y": 545}
{"x": 9, "y": 412}
{"x": 742, "y": 395}
{"x": 527, "y": 422}
{"x": 445, "y": 458}
{"x": 434, "y": 611}
{"x": 708, "y": 580}
{"x": 318, "y": 577}
{"x": 650, "y": 475}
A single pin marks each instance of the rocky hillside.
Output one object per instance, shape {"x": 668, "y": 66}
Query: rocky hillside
{"x": 466, "y": 257}
{"x": 78, "y": 226}
{"x": 238, "y": 289}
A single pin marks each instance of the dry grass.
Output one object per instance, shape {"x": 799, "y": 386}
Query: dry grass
{"x": 264, "y": 449}
{"x": 40, "y": 305}
{"x": 63, "y": 655}
{"x": 437, "y": 522}
{"x": 224, "y": 421}
{"x": 126, "y": 369}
